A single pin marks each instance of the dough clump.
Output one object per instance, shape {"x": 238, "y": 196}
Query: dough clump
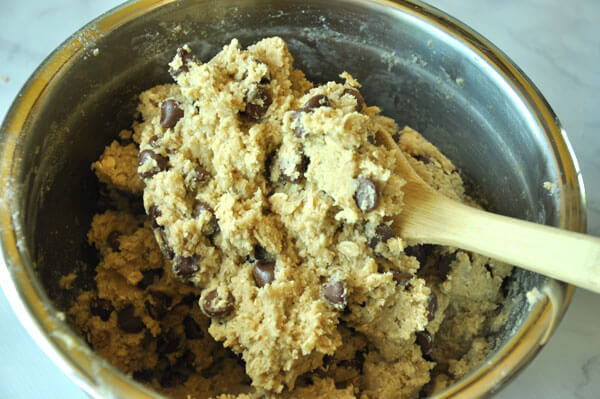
{"x": 264, "y": 263}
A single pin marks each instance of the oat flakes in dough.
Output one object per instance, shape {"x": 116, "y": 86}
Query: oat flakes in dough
{"x": 269, "y": 203}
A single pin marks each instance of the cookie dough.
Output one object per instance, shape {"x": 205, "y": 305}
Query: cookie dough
{"x": 265, "y": 264}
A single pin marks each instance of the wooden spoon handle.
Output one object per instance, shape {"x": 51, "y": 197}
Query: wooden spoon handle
{"x": 560, "y": 254}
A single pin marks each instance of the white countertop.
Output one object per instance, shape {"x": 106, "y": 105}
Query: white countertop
{"x": 555, "y": 42}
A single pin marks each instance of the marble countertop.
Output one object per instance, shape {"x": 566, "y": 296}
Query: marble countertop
{"x": 555, "y": 42}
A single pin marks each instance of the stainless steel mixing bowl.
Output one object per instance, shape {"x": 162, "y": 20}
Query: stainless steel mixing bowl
{"x": 420, "y": 66}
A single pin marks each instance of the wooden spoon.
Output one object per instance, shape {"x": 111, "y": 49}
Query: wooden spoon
{"x": 431, "y": 218}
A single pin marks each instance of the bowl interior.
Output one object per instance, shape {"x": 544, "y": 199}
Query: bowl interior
{"x": 416, "y": 73}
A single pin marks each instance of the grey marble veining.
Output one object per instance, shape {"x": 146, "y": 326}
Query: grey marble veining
{"x": 555, "y": 42}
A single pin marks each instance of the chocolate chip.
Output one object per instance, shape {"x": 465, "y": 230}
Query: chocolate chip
{"x": 432, "y": 306}
{"x": 102, "y": 308}
{"x": 189, "y": 300}
{"x": 299, "y": 168}
{"x": 201, "y": 207}
{"x": 425, "y": 341}
{"x": 158, "y": 305}
{"x": 263, "y": 273}
{"x": 147, "y": 339}
{"x": 327, "y": 360}
{"x": 265, "y": 80}
{"x": 173, "y": 377}
{"x": 198, "y": 175}
{"x": 184, "y": 364}
{"x": 299, "y": 129}
{"x": 185, "y": 56}
{"x": 143, "y": 375}
{"x": 423, "y": 158}
{"x": 316, "y": 101}
{"x": 152, "y": 141}
{"x": 421, "y": 252}
{"x": 215, "y": 306}
{"x": 149, "y": 277}
{"x": 186, "y": 266}
{"x": 260, "y": 253}
{"x": 335, "y": 293}
{"x": 186, "y": 360}
{"x": 444, "y": 265}
{"x": 167, "y": 342}
{"x": 257, "y": 103}
{"x": 303, "y": 165}
{"x": 360, "y": 102}
{"x": 165, "y": 248}
{"x": 366, "y": 195}
{"x": 305, "y": 380}
{"x": 357, "y": 362}
{"x": 154, "y": 213}
{"x": 113, "y": 240}
{"x": 383, "y": 233}
{"x": 192, "y": 329}
{"x": 168, "y": 376}
{"x": 401, "y": 278}
{"x": 268, "y": 162}
{"x": 170, "y": 113}
{"x": 162, "y": 365}
{"x": 347, "y": 363}
{"x": 146, "y": 156}
{"x": 209, "y": 372}
{"x": 128, "y": 321}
